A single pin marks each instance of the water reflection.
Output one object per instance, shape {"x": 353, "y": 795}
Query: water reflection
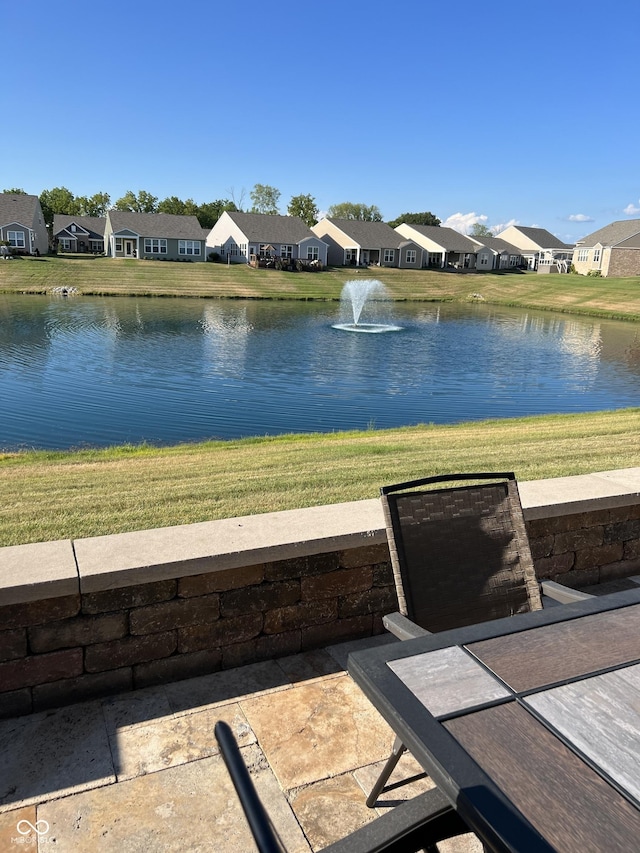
{"x": 104, "y": 371}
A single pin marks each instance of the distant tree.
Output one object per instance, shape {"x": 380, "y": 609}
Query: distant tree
{"x": 95, "y": 205}
{"x": 58, "y": 200}
{"x": 265, "y": 199}
{"x": 15, "y": 191}
{"x": 478, "y": 229}
{"x": 305, "y": 207}
{"x": 237, "y": 200}
{"x": 349, "y": 210}
{"x": 144, "y": 202}
{"x": 172, "y": 204}
{"x": 426, "y": 218}
{"x": 209, "y": 213}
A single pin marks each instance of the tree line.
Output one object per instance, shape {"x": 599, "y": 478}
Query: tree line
{"x": 264, "y": 199}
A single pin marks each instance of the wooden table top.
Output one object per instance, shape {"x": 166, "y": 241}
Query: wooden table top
{"x": 531, "y": 725}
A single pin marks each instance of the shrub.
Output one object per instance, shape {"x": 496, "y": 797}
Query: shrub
{"x": 595, "y": 273}
{"x": 214, "y": 257}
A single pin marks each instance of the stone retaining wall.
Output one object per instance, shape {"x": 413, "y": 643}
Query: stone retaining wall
{"x": 115, "y": 613}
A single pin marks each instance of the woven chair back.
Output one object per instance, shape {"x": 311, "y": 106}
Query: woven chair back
{"x": 460, "y": 553}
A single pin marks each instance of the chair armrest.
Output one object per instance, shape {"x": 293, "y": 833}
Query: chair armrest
{"x": 402, "y": 628}
{"x": 563, "y": 594}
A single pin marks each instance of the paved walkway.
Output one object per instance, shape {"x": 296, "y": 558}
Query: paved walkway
{"x": 141, "y": 773}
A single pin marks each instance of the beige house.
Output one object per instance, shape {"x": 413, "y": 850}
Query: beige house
{"x": 355, "y": 243}
{"x": 612, "y": 251}
{"x": 542, "y": 250}
{"x": 442, "y": 247}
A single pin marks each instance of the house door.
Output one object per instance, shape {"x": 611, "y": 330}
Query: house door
{"x": 129, "y": 248}
{"x": 364, "y": 257}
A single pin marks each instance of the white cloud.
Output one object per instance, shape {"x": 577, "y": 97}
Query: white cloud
{"x": 580, "y": 217}
{"x": 464, "y": 222}
{"x": 498, "y": 228}
{"x": 631, "y": 209}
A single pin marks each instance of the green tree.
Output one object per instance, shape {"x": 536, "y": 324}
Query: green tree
{"x": 209, "y": 213}
{"x": 144, "y": 202}
{"x": 426, "y": 218}
{"x": 351, "y": 210}
{"x": 95, "y": 205}
{"x": 58, "y": 200}
{"x": 305, "y": 207}
{"x": 478, "y": 229}
{"x": 15, "y": 191}
{"x": 172, "y": 204}
{"x": 265, "y": 199}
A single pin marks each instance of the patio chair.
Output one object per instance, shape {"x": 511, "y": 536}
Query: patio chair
{"x": 417, "y": 824}
{"x": 460, "y": 555}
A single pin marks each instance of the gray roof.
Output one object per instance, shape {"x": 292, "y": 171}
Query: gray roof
{"x": 613, "y": 234}
{"x": 448, "y": 238}
{"x": 498, "y": 245}
{"x": 369, "y": 235}
{"x": 166, "y": 225}
{"x": 95, "y": 224}
{"x": 16, "y": 207}
{"x": 271, "y": 228}
{"x": 545, "y": 239}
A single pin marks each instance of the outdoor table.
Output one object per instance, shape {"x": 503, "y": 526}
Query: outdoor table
{"x": 530, "y": 725}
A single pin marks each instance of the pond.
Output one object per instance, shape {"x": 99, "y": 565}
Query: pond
{"x": 82, "y": 371}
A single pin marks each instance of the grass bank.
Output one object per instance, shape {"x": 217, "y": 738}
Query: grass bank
{"x": 605, "y": 297}
{"x": 89, "y": 493}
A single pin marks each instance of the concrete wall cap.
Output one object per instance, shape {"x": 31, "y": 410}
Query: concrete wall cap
{"x": 582, "y": 493}
{"x": 37, "y": 571}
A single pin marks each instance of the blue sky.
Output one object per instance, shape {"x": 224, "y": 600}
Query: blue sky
{"x": 500, "y": 113}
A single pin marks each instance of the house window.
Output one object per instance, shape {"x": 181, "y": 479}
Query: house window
{"x": 312, "y": 253}
{"x": 286, "y": 251}
{"x": 65, "y": 244}
{"x": 73, "y": 229}
{"x": 118, "y": 244}
{"x": 96, "y": 245}
{"x": 596, "y": 256}
{"x": 484, "y": 260}
{"x": 16, "y": 239}
{"x": 350, "y": 256}
{"x": 389, "y": 256}
{"x": 188, "y": 247}
{"x": 155, "y": 246}
{"x": 411, "y": 256}
{"x": 513, "y": 260}
{"x": 583, "y": 255}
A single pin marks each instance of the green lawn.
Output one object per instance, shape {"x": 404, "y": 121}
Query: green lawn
{"x": 88, "y": 493}
{"x": 102, "y": 276}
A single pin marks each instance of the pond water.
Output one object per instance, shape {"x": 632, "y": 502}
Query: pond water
{"x": 82, "y": 371}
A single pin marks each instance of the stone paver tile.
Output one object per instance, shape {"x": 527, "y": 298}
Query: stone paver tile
{"x": 330, "y": 809}
{"x": 341, "y": 651}
{"x": 222, "y": 688}
{"x": 317, "y": 730}
{"x": 407, "y": 781}
{"x": 18, "y": 830}
{"x": 191, "y": 807}
{"x": 53, "y": 753}
{"x": 174, "y": 740}
{"x": 139, "y": 706}
{"x": 308, "y": 665}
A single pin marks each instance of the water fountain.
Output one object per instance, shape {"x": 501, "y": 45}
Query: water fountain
{"x": 357, "y": 294}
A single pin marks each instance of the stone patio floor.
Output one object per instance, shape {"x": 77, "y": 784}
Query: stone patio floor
{"x": 140, "y": 772}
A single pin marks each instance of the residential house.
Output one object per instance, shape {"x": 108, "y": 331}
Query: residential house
{"x": 22, "y": 224}
{"x": 153, "y": 236}
{"x": 79, "y": 233}
{"x": 542, "y": 250}
{"x": 442, "y": 247}
{"x": 496, "y": 254}
{"x": 356, "y": 243}
{"x": 612, "y": 251}
{"x": 240, "y": 238}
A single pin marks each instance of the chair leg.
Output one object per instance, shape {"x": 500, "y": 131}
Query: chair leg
{"x": 398, "y": 749}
